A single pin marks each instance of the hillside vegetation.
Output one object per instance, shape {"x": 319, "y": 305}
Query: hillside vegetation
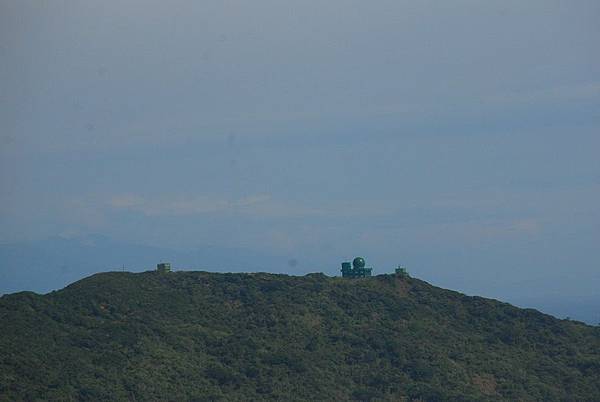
{"x": 205, "y": 336}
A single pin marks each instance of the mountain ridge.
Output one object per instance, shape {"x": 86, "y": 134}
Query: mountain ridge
{"x": 196, "y": 335}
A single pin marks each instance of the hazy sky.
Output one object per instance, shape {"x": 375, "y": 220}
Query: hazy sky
{"x": 459, "y": 138}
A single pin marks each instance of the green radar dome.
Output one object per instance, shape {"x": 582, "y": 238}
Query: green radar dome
{"x": 358, "y": 262}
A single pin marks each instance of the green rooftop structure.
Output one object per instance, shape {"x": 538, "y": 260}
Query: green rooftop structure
{"x": 401, "y": 271}
{"x": 357, "y": 270}
{"x": 163, "y": 267}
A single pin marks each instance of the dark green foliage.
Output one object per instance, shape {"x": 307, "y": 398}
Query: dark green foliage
{"x": 201, "y": 336}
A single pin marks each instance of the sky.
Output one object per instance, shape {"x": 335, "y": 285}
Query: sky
{"x": 460, "y": 139}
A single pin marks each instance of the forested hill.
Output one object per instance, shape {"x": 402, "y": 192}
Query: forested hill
{"x": 205, "y": 336}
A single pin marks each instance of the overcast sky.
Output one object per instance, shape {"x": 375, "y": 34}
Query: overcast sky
{"x": 460, "y": 138}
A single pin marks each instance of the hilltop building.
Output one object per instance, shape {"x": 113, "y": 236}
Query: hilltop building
{"x": 163, "y": 267}
{"x": 357, "y": 270}
{"x": 401, "y": 271}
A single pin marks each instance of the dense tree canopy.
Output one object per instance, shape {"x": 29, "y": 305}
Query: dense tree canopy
{"x": 207, "y": 336}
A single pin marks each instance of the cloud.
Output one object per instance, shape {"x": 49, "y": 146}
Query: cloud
{"x": 254, "y": 205}
{"x": 525, "y": 226}
{"x": 253, "y": 199}
{"x": 182, "y": 205}
{"x": 563, "y": 93}
{"x": 489, "y": 229}
{"x": 125, "y": 201}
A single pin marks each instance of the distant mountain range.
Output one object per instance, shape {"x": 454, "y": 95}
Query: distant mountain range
{"x": 199, "y": 336}
{"x": 50, "y": 264}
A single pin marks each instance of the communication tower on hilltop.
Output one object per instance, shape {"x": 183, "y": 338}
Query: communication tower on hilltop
{"x": 357, "y": 270}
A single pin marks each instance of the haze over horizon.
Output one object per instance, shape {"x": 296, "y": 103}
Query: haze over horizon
{"x": 460, "y": 140}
